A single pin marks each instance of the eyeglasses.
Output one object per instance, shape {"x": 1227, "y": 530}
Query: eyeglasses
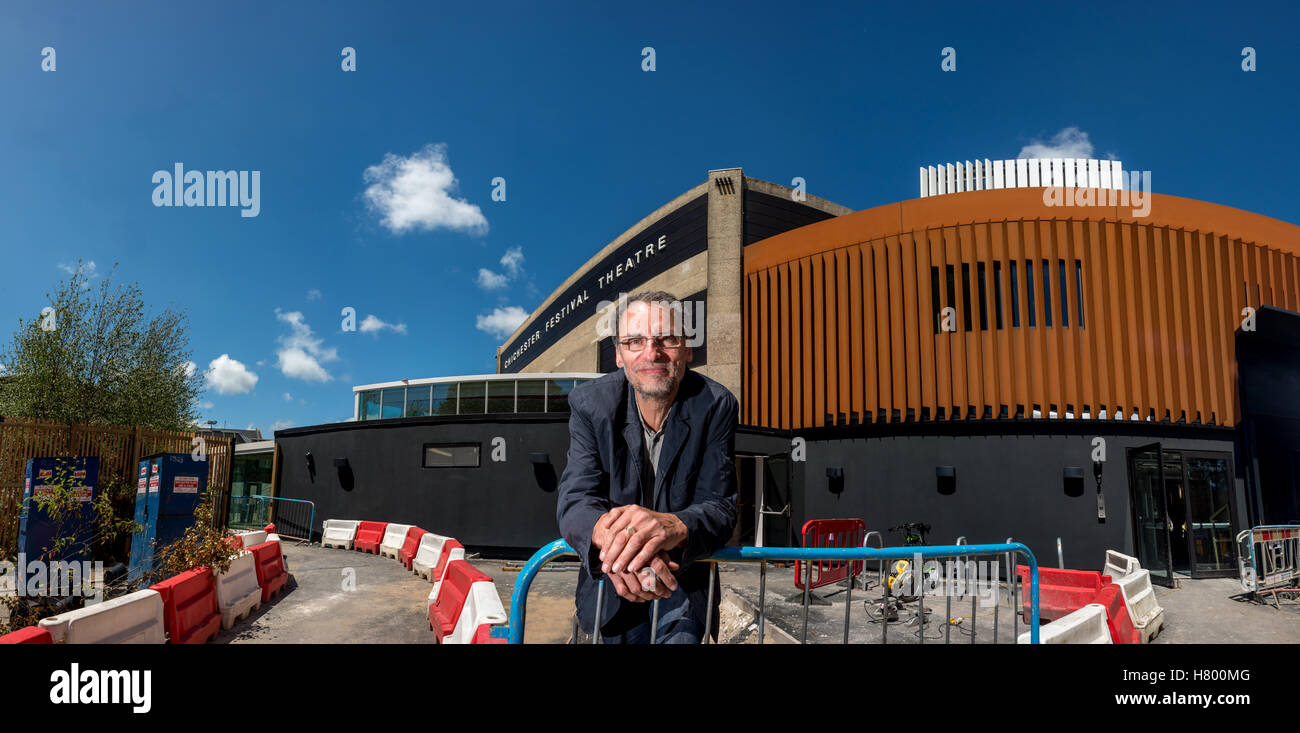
{"x": 635, "y": 344}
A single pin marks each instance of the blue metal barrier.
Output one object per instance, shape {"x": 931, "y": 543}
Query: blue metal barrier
{"x": 560, "y": 548}
{"x": 286, "y": 524}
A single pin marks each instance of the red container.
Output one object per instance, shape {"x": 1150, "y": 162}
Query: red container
{"x": 271, "y": 574}
{"x": 1118, "y": 621}
{"x": 445, "y": 612}
{"x": 1061, "y": 591}
{"x": 370, "y": 535}
{"x": 190, "y": 606}
{"x": 830, "y": 533}
{"x": 411, "y": 546}
{"x": 28, "y": 635}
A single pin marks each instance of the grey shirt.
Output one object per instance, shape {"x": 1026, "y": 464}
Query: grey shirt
{"x": 651, "y": 443}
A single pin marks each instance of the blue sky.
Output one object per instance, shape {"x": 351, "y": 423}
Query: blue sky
{"x": 554, "y": 100}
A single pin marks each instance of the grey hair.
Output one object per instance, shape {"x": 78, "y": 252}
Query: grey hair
{"x": 659, "y": 297}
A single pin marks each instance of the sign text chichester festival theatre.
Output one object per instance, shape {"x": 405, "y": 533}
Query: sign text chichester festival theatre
{"x": 605, "y": 280}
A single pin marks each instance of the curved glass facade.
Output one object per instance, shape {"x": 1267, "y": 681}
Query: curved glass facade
{"x": 468, "y": 397}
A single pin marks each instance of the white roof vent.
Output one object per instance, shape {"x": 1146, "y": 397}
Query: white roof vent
{"x": 1021, "y": 173}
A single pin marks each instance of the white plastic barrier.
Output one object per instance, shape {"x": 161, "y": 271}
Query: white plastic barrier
{"x": 135, "y": 618}
{"x": 339, "y": 533}
{"x": 1148, "y": 617}
{"x": 1084, "y": 626}
{"x": 482, "y": 606}
{"x": 394, "y": 538}
{"x": 1118, "y": 565}
{"x": 272, "y": 537}
{"x": 427, "y": 554}
{"x": 252, "y": 537}
{"x": 456, "y": 553}
{"x": 238, "y": 593}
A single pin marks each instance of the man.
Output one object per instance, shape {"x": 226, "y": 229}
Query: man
{"x": 650, "y": 486}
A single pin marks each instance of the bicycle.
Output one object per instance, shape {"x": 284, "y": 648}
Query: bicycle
{"x": 900, "y": 578}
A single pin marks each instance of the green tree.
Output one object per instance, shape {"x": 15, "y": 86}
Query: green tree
{"x": 95, "y": 355}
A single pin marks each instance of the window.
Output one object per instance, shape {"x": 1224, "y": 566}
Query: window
{"x": 997, "y": 294}
{"x": 444, "y": 399}
{"x": 451, "y": 455}
{"x": 557, "y": 394}
{"x": 369, "y": 405}
{"x": 1065, "y": 303}
{"x": 1015, "y": 298}
{"x": 1078, "y": 290}
{"x": 394, "y": 402}
{"x": 472, "y": 398}
{"x": 983, "y": 293}
{"x": 532, "y": 395}
{"x": 1047, "y": 295}
{"x": 935, "y": 305}
{"x": 1029, "y": 290}
{"x": 417, "y": 401}
{"x": 965, "y": 294}
{"x": 501, "y": 396}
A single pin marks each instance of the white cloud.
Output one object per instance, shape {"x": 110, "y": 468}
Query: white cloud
{"x": 313, "y": 295}
{"x": 281, "y": 425}
{"x": 416, "y": 193}
{"x": 88, "y": 269}
{"x": 1070, "y": 142}
{"x": 501, "y": 322}
{"x": 489, "y": 280}
{"x": 190, "y": 368}
{"x": 513, "y": 261}
{"x": 229, "y": 376}
{"x": 301, "y": 353}
{"x": 205, "y": 405}
{"x": 3, "y": 370}
{"x": 374, "y": 324}
{"x": 288, "y": 397}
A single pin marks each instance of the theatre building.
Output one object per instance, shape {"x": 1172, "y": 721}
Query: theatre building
{"x": 1029, "y": 349}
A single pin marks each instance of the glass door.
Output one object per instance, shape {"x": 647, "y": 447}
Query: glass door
{"x": 1210, "y": 521}
{"x": 1150, "y": 515}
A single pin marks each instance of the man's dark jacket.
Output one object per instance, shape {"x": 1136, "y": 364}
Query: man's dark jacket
{"x": 696, "y": 479}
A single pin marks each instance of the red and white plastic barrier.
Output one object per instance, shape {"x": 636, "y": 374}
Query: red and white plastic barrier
{"x": 27, "y": 635}
{"x": 251, "y": 537}
{"x": 1086, "y": 625}
{"x": 482, "y": 608}
{"x": 449, "y": 600}
{"x": 411, "y": 545}
{"x": 1148, "y": 617}
{"x": 427, "y": 555}
{"x": 1118, "y": 565}
{"x": 339, "y": 533}
{"x": 135, "y": 618}
{"x": 190, "y": 610}
{"x": 269, "y": 563}
{"x": 238, "y": 592}
{"x": 394, "y": 538}
{"x": 1061, "y": 591}
{"x": 451, "y": 552}
{"x": 370, "y": 535}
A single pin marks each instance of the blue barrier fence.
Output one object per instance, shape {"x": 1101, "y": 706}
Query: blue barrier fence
{"x": 560, "y": 548}
{"x": 294, "y": 518}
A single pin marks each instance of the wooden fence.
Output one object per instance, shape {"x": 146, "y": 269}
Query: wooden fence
{"x": 119, "y": 450}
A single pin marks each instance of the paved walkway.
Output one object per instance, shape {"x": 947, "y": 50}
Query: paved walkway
{"x": 336, "y": 596}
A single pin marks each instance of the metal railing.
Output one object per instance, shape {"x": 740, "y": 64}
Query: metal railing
{"x": 293, "y": 518}
{"x": 1268, "y": 558}
{"x": 764, "y": 555}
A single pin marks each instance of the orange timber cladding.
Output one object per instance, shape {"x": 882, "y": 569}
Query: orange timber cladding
{"x": 839, "y": 314}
